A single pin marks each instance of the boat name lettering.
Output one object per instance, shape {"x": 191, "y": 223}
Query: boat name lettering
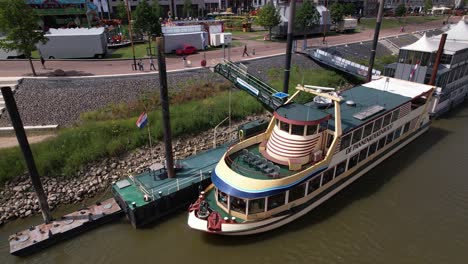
{"x": 368, "y": 139}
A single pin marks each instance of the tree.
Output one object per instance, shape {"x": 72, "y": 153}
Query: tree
{"x": 307, "y": 17}
{"x": 400, "y": 11}
{"x": 187, "y": 8}
{"x": 147, "y": 20}
{"x": 349, "y": 9}
{"x": 121, "y": 10}
{"x": 269, "y": 17}
{"x": 427, "y": 5}
{"x": 336, "y": 13}
{"x": 19, "y": 22}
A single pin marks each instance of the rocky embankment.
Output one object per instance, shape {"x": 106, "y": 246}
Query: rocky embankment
{"x": 18, "y": 200}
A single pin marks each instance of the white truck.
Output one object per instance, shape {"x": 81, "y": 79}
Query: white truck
{"x": 8, "y": 54}
{"x": 347, "y": 24}
{"x": 74, "y": 43}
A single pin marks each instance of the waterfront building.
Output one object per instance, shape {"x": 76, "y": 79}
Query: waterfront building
{"x": 415, "y": 63}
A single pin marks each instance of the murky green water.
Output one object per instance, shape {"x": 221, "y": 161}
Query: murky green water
{"x": 413, "y": 208}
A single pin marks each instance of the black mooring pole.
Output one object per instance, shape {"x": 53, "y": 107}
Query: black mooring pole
{"x": 165, "y": 107}
{"x": 440, "y": 51}
{"x": 24, "y": 145}
{"x": 287, "y": 68}
{"x": 376, "y": 40}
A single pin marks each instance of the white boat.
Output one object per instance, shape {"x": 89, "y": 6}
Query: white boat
{"x": 307, "y": 155}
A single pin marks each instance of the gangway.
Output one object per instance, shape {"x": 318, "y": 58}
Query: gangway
{"x": 238, "y": 75}
{"x": 340, "y": 63}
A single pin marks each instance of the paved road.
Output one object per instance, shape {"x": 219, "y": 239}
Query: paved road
{"x": 104, "y": 67}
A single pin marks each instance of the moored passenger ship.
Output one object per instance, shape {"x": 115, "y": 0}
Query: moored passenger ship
{"x": 309, "y": 153}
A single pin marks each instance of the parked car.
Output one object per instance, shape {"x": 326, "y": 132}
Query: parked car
{"x": 186, "y": 50}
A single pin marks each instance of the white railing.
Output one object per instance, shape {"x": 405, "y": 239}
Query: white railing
{"x": 179, "y": 184}
{"x": 341, "y": 62}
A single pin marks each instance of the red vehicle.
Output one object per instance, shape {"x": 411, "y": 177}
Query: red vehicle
{"x": 186, "y": 50}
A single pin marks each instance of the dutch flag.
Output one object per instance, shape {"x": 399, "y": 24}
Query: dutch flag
{"x": 142, "y": 120}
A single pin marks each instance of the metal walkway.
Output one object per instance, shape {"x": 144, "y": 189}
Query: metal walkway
{"x": 238, "y": 75}
{"x": 340, "y": 63}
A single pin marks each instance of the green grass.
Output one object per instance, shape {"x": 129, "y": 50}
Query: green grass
{"x": 379, "y": 62}
{"x": 111, "y": 131}
{"x": 319, "y": 77}
{"x": 393, "y": 22}
{"x": 75, "y": 147}
{"x": 127, "y": 53}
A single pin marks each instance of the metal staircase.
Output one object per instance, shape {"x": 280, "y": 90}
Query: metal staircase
{"x": 238, "y": 75}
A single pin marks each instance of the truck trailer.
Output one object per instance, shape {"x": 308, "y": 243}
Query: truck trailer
{"x": 72, "y": 43}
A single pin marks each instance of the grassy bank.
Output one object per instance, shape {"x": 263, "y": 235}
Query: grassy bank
{"x": 111, "y": 131}
{"x": 394, "y": 22}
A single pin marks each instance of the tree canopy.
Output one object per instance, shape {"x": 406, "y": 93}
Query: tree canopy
{"x": 20, "y": 24}
{"x": 400, "y": 10}
{"x": 147, "y": 19}
{"x": 187, "y": 8}
{"x": 349, "y": 9}
{"x": 307, "y": 15}
{"x": 121, "y": 10}
{"x": 427, "y": 5}
{"x": 337, "y": 12}
{"x": 269, "y": 17}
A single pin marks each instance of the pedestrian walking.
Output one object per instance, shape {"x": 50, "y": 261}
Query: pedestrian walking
{"x": 140, "y": 65}
{"x": 152, "y": 67}
{"x": 184, "y": 58}
{"x": 402, "y": 29}
{"x": 245, "y": 51}
{"x": 43, "y": 62}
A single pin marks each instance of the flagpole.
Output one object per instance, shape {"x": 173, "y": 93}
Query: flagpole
{"x": 149, "y": 136}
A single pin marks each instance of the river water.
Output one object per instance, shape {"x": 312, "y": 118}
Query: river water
{"x": 413, "y": 208}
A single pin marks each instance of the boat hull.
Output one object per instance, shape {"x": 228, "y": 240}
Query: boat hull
{"x": 271, "y": 223}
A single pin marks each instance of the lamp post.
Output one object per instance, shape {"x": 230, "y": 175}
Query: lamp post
{"x": 129, "y": 17}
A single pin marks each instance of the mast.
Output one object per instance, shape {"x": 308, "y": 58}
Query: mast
{"x": 24, "y": 145}
{"x": 165, "y": 108}
{"x": 376, "y": 40}
{"x": 440, "y": 51}
{"x": 287, "y": 69}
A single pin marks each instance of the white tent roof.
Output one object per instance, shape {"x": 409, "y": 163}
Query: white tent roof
{"x": 423, "y": 44}
{"x": 74, "y": 31}
{"x": 459, "y": 32}
{"x": 400, "y": 87}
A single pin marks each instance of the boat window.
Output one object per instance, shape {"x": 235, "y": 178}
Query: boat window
{"x": 276, "y": 200}
{"x": 328, "y": 175}
{"x": 297, "y": 192}
{"x": 314, "y": 184}
{"x": 381, "y": 143}
{"x": 345, "y": 141}
{"x": 372, "y": 148}
{"x": 257, "y": 206}
{"x": 340, "y": 168}
{"x": 395, "y": 115}
{"x": 311, "y": 129}
{"x": 238, "y": 204}
{"x": 398, "y": 133}
{"x": 222, "y": 198}
{"x": 367, "y": 130}
{"x": 406, "y": 127}
{"x": 323, "y": 126}
{"x": 284, "y": 126}
{"x": 362, "y": 155}
{"x": 329, "y": 140}
{"x": 387, "y": 120}
{"x": 357, "y": 135}
{"x": 377, "y": 125}
{"x": 297, "y": 130}
{"x": 353, "y": 161}
{"x": 389, "y": 138}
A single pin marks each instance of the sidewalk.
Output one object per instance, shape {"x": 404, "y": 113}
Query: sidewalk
{"x": 262, "y": 48}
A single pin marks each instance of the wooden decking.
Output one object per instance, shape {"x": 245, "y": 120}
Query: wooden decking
{"x": 43, "y": 235}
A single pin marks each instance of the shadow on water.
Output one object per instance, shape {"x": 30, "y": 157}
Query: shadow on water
{"x": 364, "y": 187}
{"x": 455, "y": 113}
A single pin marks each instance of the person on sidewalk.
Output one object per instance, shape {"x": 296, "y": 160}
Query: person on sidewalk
{"x": 184, "y": 58}
{"x": 43, "y": 62}
{"x": 140, "y": 65}
{"x": 152, "y": 67}
{"x": 245, "y": 51}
